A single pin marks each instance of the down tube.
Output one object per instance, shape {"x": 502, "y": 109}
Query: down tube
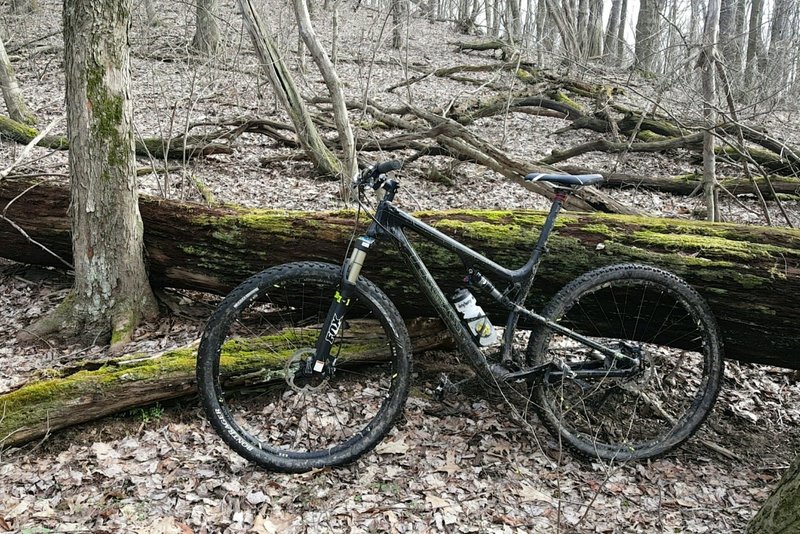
{"x": 440, "y": 303}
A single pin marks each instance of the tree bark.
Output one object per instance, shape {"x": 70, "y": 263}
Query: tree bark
{"x": 12, "y": 95}
{"x": 781, "y": 511}
{"x": 750, "y": 275}
{"x": 111, "y": 291}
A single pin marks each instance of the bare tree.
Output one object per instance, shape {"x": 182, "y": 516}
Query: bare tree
{"x": 648, "y": 35}
{"x": 612, "y": 28}
{"x": 514, "y": 25}
{"x": 623, "y": 18}
{"x": 710, "y": 34}
{"x": 15, "y": 103}
{"x": 350, "y": 166}
{"x": 206, "y": 35}
{"x": 111, "y": 292}
{"x": 728, "y": 44}
{"x": 594, "y": 29}
{"x": 150, "y": 12}
{"x": 398, "y": 13}
{"x": 779, "y": 43}
{"x": 753, "y": 41}
{"x": 282, "y": 83}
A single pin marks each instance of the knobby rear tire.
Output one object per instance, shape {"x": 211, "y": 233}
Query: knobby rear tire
{"x": 275, "y": 317}
{"x": 649, "y": 312}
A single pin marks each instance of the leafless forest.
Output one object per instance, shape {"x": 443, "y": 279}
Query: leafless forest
{"x": 688, "y": 109}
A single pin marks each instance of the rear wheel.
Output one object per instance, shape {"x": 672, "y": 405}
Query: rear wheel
{"x": 254, "y": 346}
{"x": 655, "y": 319}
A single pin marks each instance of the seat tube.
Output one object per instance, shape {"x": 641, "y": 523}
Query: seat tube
{"x": 547, "y": 227}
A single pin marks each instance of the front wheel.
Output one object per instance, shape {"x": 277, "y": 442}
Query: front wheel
{"x": 641, "y": 406}
{"x": 249, "y": 369}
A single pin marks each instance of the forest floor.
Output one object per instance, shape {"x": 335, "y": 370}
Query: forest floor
{"x": 456, "y": 467}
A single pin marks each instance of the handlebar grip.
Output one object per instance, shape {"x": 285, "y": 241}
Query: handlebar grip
{"x": 386, "y": 166}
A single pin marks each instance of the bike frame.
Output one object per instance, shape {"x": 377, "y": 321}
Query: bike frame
{"x": 390, "y": 222}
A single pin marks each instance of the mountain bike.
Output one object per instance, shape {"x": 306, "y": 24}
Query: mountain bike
{"x": 308, "y": 364}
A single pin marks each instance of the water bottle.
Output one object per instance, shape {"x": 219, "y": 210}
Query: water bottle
{"x": 474, "y": 318}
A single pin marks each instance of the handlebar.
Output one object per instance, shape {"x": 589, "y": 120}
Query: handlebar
{"x": 374, "y": 175}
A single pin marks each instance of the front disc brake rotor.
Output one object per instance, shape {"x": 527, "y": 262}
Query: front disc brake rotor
{"x": 295, "y": 373}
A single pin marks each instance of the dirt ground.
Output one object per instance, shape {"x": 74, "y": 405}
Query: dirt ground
{"x": 454, "y": 466}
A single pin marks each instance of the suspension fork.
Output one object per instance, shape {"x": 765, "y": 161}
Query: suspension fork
{"x": 338, "y": 310}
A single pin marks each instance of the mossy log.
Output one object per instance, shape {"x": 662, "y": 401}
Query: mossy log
{"x": 94, "y": 389}
{"x": 156, "y": 147}
{"x": 750, "y": 275}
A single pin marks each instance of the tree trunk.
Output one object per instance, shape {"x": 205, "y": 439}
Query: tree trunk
{"x": 397, "y": 21}
{"x": 710, "y": 191}
{"x": 583, "y": 26}
{"x": 206, "y": 35}
{"x": 24, "y": 6}
{"x": 781, "y": 511}
{"x": 727, "y": 34}
{"x": 150, "y": 13}
{"x": 623, "y": 18}
{"x": 111, "y": 292}
{"x": 750, "y": 275}
{"x": 612, "y": 28}
{"x": 648, "y": 36}
{"x": 283, "y": 85}
{"x": 753, "y": 42}
{"x": 12, "y": 94}
{"x": 594, "y": 33}
{"x": 101, "y": 388}
{"x": 514, "y": 25}
{"x": 566, "y": 29}
{"x": 350, "y": 165}
{"x": 779, "y": 44}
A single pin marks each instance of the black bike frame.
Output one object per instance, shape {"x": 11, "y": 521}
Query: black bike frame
{"x": 390, "y": 222}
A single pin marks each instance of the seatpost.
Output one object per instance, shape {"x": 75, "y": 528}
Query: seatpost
{"x": 558, "y": 201}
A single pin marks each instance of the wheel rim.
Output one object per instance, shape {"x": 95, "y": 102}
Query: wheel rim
{"x": 268, "y": 407}
{"x": 655, "y": 407}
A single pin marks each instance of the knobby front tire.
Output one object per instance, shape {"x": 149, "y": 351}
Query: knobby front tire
{"x": 260, "y": 335}
{"x": 641, "y": 311}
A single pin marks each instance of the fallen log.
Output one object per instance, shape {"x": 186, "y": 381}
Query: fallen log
{"x": 176, "y": 148}
{"x": 687, "y": 184}
{"x": 750, "y": 275}
{"x": 96, "y": 389}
